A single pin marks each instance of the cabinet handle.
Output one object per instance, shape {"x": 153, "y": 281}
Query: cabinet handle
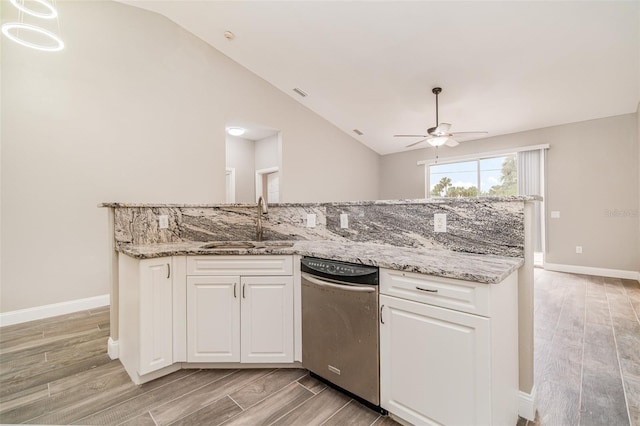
{"x": 381, "y": 320}
{"x": 168, "y": 270}
{"x": 234, "y": 290}
{"x": 426, "y": 289}
{"x": 243, "y": 291}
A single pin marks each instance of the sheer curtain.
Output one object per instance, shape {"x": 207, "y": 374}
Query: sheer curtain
{"x": 530, "y": 182}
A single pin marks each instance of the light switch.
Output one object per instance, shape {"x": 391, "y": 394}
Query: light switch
{"x": 311, "y": 220}
{"x": 163, "y": 221}
{"x": 344, "y": 220}
{"x": 555, "y": 214}
{"x": 440, "y": 222}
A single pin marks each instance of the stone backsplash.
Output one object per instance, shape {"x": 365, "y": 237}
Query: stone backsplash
{"x": 484, "y": 226}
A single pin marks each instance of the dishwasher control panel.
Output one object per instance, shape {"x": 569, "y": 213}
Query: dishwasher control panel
{"x": 342, "y": 271}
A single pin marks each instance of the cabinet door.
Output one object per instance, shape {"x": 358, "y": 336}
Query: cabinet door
{"x": 213, "y": 319}
{"x": 434, "y": 364}
{"x": 267, "y": 319}
{"x": 156, "y": 321}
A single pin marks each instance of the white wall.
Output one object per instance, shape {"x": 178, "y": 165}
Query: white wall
{"x": 267, "y": 152}
{"x": 134, "y": 109}
{"x": 592, "y": 170}
{"x": 240, "y": 155}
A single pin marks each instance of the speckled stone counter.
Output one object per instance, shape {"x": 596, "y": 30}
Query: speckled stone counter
{"x": 438, "y": 262}
{"x": 486, "y": 225}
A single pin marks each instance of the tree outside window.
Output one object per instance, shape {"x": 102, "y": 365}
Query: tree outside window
{"x": 497, "y": 176}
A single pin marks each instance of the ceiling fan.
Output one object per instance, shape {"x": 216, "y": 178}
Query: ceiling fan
{"x": 438, "y": 135}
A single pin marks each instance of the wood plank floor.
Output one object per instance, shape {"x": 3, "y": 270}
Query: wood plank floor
{"x": 56, "y": 371}
{"x": 587, "y": 350}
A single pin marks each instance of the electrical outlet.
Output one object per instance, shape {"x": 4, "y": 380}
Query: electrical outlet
{"x": 555, "y": 214}
{"x": 163, "y": 221}
{"x": 440, "y": 222}
{"x": 344, "y": 220}
{"x": 579, "y": 249}
{"x": 311, "y": 220}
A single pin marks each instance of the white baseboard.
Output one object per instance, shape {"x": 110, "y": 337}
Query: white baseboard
{"x": 588, "y": 270}
{"x": 527, "y": 404}
{"x": 113, "y": 349}
{"x": 46, "y": 311}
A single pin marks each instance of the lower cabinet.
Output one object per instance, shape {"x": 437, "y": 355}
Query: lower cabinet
{"x": 145, "y": 313}
{"x": 240, "y": 309}
{"x": 204, "y": 309}
{"x": 156, "y": 320}
{"x": 266, "y": 320}
{"x": 213, "y": 319}
{"x": 240, "y": 319}
{"x": 435, "y": 364}
{"x": 448, "y": 350}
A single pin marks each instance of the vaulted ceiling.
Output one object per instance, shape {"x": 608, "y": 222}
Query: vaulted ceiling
{"x": 504, "y": 67}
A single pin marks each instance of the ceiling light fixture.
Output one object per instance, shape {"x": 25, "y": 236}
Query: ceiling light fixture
{"x": 236, "y": 131}
{"x": 33, "y": 36}
{"x": 9, "y": 26}
{"x": 438, "y": 141}
{"x": 229, "y": 35}
{"x": 49, "y": 14}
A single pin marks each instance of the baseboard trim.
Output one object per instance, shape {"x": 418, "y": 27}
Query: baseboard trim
{"x": 113, "y": 350}
{"x": 588, "y": 270}
{"x": 527, "y": 404}
{"x": 55, "y": 309}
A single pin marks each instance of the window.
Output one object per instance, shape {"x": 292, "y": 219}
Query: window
{"x": 482, "y": 177}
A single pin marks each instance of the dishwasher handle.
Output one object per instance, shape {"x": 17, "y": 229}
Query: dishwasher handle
{"x": 344, "y": 287}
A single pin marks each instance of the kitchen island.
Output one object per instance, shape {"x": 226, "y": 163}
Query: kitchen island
{"x": 481, "y": 286}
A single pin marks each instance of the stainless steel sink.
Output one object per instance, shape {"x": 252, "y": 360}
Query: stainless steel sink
{"x": 274, "y": 244}
{"x": 221, "y": 245}
{"x": 231, "y": 245}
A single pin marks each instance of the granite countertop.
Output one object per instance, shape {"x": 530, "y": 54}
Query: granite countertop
{"x": 434, "y": 200}
{"x": 479, "y": 268}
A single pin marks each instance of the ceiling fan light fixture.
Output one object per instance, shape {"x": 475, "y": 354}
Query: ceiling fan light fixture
{"x": 437, "y": 141}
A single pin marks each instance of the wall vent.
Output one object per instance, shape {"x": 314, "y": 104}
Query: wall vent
{"x": 358, "y": 132}
{"x": 300, "y": 92}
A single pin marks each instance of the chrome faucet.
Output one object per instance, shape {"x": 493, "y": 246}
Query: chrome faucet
{"x": 262, "y": 209}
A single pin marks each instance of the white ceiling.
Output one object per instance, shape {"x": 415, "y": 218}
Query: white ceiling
{"x": 504, "y": 67}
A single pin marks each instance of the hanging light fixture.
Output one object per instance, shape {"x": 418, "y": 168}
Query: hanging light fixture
{"x": 33, "y": 36}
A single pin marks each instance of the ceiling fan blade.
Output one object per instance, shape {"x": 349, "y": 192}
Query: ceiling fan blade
{"x": 415, "y": 143}
{"x": 469, "y": 133}
{"x": 442, "y": 128}
{"x": 451, "y": 142}
{"x": 410, "y": 136}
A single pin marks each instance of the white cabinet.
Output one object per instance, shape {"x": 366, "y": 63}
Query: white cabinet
{"x": 434, "y": 364}
{"x": 156, "y": 320}
{"x": 213, "y": 319}
{"x": 440, "y": 364}
{"x": 267, "y": 319}
{"x": 247, "y": 317}
{"x": 146, "y": 314}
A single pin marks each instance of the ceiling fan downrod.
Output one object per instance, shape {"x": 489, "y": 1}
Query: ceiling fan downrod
{"x": 436, "y": 91}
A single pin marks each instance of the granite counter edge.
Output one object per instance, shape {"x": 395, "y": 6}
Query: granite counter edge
{"x": 441, "y": 200}
{"x": 508, "y": 264}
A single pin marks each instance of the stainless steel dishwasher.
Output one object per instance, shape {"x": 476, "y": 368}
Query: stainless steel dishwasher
{"x": 340, "y": 340}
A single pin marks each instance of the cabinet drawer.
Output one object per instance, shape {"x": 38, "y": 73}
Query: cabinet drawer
{"x": 449, "y": 293}
{"x": 244, "y": 265}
